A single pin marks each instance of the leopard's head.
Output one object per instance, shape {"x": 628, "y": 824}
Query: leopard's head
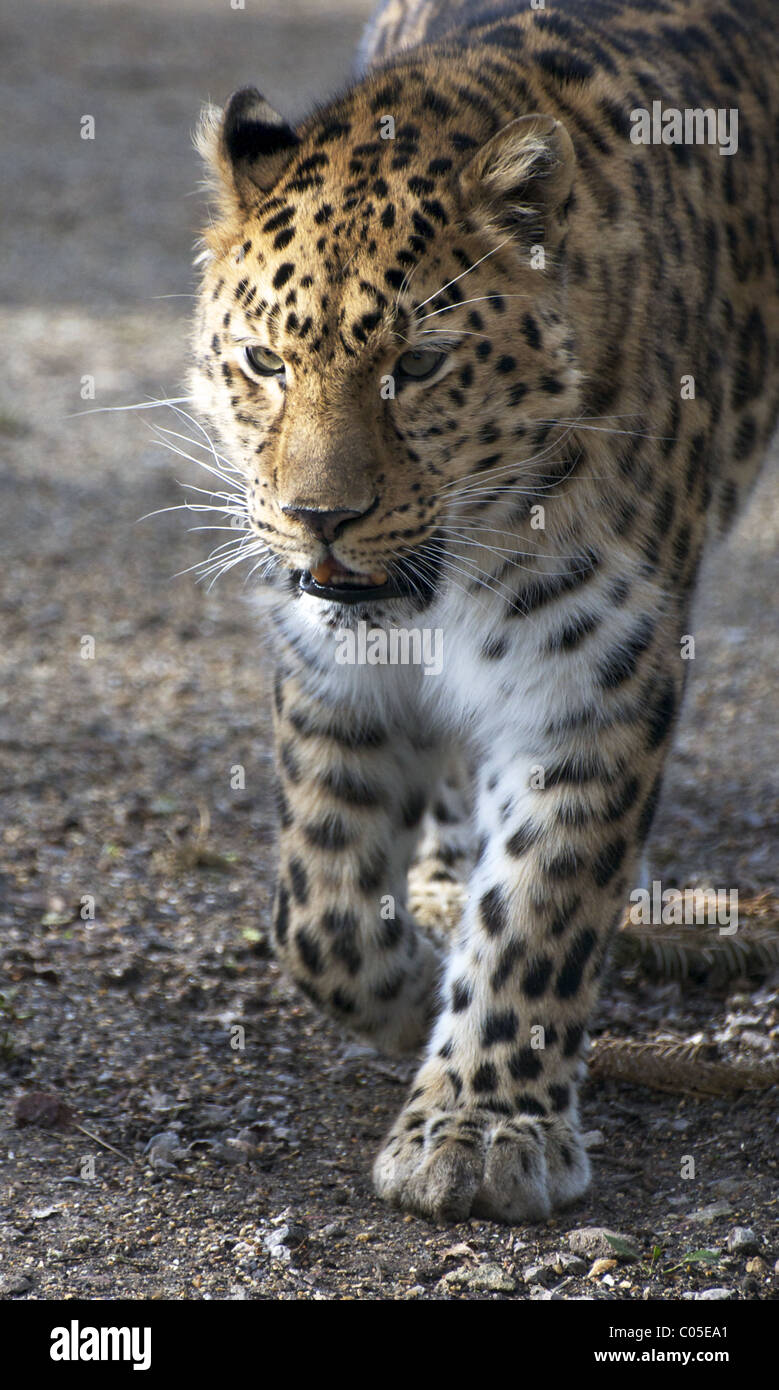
{"x": 381, "y": 339}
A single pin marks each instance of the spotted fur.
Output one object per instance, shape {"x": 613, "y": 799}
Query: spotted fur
{"x": 559, "y": 385}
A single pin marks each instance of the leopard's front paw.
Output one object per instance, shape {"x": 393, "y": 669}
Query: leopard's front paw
{"x": 451, "y": 1164}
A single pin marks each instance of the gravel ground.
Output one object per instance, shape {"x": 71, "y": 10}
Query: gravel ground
{"x": 243, "y": 1172}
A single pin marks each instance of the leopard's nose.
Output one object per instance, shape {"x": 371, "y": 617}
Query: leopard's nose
{"x": 324, "y": 525}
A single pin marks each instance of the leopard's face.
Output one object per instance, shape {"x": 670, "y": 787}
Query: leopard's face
{"x": 379, "y": 354}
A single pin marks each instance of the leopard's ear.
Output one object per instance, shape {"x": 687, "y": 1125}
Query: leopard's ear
{"x": 522, "y": 178}
{"x": 246, "y": 148}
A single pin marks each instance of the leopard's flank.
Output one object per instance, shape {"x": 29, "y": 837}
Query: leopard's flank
{"x": 481, "y": 363}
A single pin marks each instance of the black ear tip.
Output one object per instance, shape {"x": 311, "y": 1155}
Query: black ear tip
{"x": 252, "y": 128}
{"x": 241, "y": 103}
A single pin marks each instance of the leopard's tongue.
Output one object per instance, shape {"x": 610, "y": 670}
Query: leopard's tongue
{"x": 331, "y": 572}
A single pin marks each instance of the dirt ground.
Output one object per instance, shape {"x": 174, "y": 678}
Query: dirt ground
{"x": 243, "y": 1172}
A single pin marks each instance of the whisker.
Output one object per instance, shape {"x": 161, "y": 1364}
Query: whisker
{"x": 267, "y": 566}
{"x": 447, "y": 332}
{"x": 184, "y": 414}
{"x": 499, "y": 550}
{"x": 478, "y": 526}
{"x": 197, "y": 444}
{"x": 474, "y": 574}
{"x": 190, "y": 458}
{"x": 234, "y": 497}
{"x": 192, "y": 507}
{"x": 506, "y": 487}
{"x": 462, "y": 539}
{"x": 421, "y": 561}
{"x": 139, "y": 405}
{"x": 237, "y": 504}
{"x": 404, "y": 284}
{"x": 513, "y": 485}
{"x": 217, "y": 565}
{"x": 199, "y": 565}
{"x": 600, "y": 429}
{"x": 485, "y": 473}
{"x": 463, "y": 273}
{"x": 479, "y": 299}
{"x": 220, "y": 528}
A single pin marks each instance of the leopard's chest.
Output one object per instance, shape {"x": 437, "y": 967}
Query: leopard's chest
{"x": 461, "y": 664}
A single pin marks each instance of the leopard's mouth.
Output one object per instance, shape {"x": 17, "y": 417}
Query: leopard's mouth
{"x": 333, "y": 581}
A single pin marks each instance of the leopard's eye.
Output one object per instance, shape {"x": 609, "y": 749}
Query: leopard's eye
{"x": 264, "y": 362}
{"x": 418, "y": 364}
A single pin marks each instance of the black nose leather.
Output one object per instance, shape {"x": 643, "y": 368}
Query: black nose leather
{"x": 324, "y": 525}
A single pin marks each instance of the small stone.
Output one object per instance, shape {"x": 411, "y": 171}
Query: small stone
{"x": 333, "y": 1231}
{"x": 742, "y": 1241}
{"x": 543, "y": 1274}
{"x": 285, "y": 1237}
{"x": 550, "y": 1269}
{"x": 488, "y": 1278}
{"x": 15, "y": 1283}
{"x": 703, "y": 1216}
{"x": 127, "y": 972}
{"x": 164, "y": 1149}
{"x": 278, "y": 1251}
{"x": 601, "y": 1267}
{"x": 458, "y": 1252}
{"x": 710, "y": 1295}
{"x": 225, "y": 1149}
{"x": 357, "y": 1052}
{"x": 284, "y": 1134}
{"x": 491, "y": 1279}
{"x": 245, "y": 1139}
{"x": 600, "y": 1242}
{"x": 594, "y": 1139}
{"x": 756, "y": 1265}
{"x": 215, "y": 1148}
{"x": 213, "y": 1114}
{"x": 727, "y": 1187}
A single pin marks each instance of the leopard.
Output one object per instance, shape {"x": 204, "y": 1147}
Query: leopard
{"x": 534, "y": 487}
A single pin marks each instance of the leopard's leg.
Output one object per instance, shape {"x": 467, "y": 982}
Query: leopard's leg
{"x": 563, "y": 805}
{"x": 352, "y": 795}
{"x": 444, "y": 854}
